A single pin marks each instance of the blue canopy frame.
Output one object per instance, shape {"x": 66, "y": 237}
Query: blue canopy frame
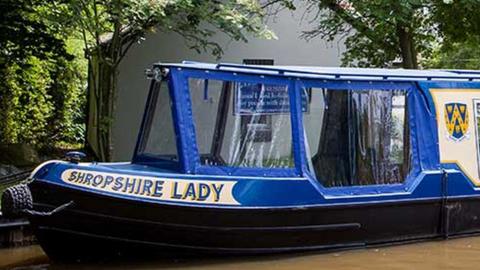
{"x": 422, "y": 126}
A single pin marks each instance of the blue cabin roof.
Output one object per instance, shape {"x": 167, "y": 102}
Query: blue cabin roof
{"x": 336, "y": 72}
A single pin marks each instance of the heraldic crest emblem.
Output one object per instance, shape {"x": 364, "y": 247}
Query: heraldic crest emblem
{"x": 456, "y": 120}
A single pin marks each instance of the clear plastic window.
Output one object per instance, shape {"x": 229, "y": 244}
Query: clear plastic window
{"x": 476, "y": 103}
{"x": 159, "y": 139}
{"x": 357, "y": 137}
{"x": 242, "y": 124}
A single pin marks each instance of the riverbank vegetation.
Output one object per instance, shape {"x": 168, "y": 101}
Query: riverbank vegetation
{"x": 43, "y": 79}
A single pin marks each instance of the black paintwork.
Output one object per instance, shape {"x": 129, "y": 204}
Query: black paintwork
{"x": 101, "y": 225}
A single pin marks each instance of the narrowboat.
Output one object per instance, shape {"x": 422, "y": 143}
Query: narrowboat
{"x": 240, "y": 159}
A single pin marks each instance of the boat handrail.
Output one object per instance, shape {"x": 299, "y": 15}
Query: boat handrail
{"x": 336, "y": 75}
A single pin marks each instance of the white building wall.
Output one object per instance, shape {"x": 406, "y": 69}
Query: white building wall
{"x": 289, "y": 49}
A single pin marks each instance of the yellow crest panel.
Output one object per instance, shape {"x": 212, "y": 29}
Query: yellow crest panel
{"x": 456, "y": 136}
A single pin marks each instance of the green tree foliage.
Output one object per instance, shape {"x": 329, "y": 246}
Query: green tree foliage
{"x": 110, "y": 27}
{"x": 459, "y": 26}
{"x": 23, "y": 33}
{"x": 26, "y": 103}
{"x": 41, "y": 81}
{"x": 455, "y": 55}
{"x": 457, "y": 20}
{"x": 377, "y": 32}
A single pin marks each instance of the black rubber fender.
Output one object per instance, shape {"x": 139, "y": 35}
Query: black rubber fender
{"x": 15, "y": 200}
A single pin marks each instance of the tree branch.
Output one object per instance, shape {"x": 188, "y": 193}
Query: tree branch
{"x": 357, "y": 24}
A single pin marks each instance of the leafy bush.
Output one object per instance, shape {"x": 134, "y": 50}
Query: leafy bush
{"x": 68, "y": 93}
{"x": 42, "y": 102}
{"x": 26, "y": 104}
{"x": 43, "y": 78}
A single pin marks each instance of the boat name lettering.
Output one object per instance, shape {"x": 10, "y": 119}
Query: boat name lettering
{"x": 197, "y": 191}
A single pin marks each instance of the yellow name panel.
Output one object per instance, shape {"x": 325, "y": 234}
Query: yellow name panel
{"x": 192, "y": 191}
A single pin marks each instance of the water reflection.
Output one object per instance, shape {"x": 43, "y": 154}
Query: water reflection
{"x": 453, "y": 254}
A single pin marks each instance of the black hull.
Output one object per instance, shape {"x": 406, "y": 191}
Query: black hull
{"x": 103, "y": 226}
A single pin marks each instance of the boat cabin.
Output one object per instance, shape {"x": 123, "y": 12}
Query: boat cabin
{"x": 347, "y": 132}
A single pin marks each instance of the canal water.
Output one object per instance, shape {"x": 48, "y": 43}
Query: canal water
{"x": 454, "y": 254}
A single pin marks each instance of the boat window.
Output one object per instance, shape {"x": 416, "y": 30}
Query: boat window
{"x": 476, "y": 103}
{"x": 159, "y": 139}
{"x": 357, "y": 137}
{"x": 242, "y": 124}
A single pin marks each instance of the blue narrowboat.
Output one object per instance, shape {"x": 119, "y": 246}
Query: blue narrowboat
{"x": 238, "y": 159}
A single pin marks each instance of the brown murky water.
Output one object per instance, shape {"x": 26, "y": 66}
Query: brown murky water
{"x": 461, "y": 253}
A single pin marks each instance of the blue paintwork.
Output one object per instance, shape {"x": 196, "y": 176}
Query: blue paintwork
{"x": 257, "y": 187}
